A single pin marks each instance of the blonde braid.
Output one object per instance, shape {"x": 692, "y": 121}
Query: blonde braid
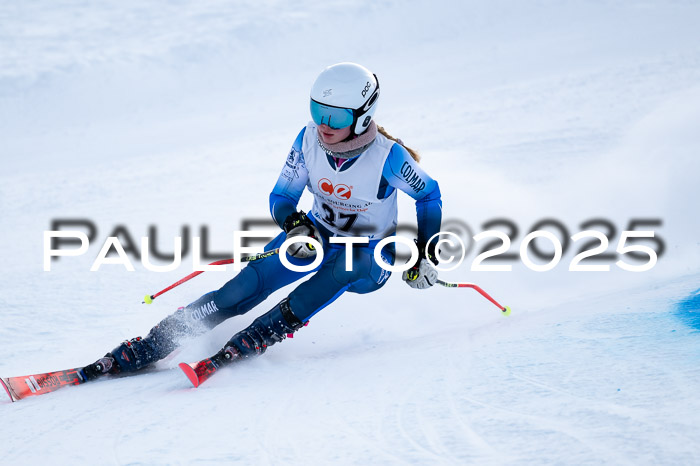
{"x": 414, "y": 154}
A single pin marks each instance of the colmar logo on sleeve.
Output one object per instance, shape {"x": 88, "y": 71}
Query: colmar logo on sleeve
{"x": 411, "y": 177}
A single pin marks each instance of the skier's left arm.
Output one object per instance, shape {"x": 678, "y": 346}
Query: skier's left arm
{"x": 404, "y": 173}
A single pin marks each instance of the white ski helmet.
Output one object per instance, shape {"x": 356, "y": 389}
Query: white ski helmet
{"x": 345, "y": 94}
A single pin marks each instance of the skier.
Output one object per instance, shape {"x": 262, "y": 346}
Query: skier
{"x": 353, "y": 168}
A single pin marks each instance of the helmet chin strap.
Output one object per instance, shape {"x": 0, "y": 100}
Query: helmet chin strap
{"x": 351, "y": 148}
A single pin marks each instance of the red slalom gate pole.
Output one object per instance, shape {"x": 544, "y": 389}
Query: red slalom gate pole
{"x": 148, "y": 299}
{"x": 504, "y": 309}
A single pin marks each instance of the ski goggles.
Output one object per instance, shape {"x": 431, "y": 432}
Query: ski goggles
{"x": 335, "y": 117}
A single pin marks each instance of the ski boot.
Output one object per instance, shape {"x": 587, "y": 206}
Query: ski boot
{"x": 268, "y": 329}
{"x": 104, "y": 365}
{"x": 137, "y": 353}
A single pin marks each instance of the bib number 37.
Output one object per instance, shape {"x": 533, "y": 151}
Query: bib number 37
{"x": 341, "y": 221}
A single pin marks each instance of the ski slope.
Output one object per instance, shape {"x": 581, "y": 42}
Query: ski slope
{"x": 181, "y": 115}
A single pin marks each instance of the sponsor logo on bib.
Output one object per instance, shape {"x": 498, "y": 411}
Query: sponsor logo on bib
{"x": 341, "y": 191}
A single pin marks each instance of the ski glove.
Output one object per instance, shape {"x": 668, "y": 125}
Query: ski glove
{"x": 423, "y": 274}
{"x": 298, "y": 224}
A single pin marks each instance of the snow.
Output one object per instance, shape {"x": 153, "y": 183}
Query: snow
{"x": 180, "y": 114}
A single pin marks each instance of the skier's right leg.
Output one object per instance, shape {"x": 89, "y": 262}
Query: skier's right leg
{"x": 138, "y": 352}
{"x": 247, "y": 289}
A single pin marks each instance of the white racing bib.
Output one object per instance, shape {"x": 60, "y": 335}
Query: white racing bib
{"x": 345, "y": 202}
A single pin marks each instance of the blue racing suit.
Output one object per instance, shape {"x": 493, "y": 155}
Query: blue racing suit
{"x": 260, "y": 278}
{"x": 345, "y": 196}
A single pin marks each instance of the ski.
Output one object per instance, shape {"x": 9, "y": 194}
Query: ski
{"x": 21, "y": 387}
{"x": 200, "y": 371}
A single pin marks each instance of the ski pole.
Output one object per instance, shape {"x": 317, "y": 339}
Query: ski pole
{"x": 148, "y": 299}
{"x": 504, "y": 309}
